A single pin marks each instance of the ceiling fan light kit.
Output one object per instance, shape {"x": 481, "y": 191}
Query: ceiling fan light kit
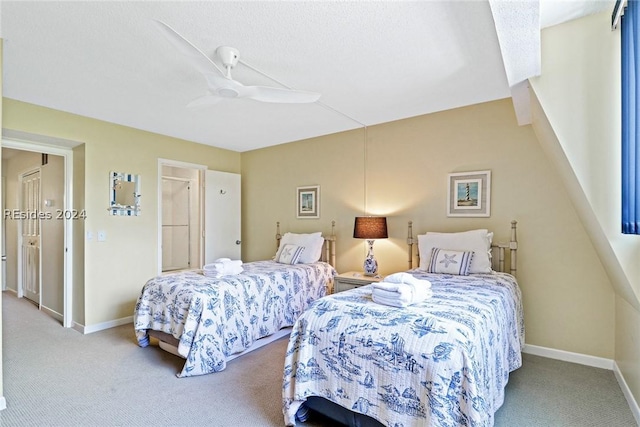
{"x": 221, "y": 84}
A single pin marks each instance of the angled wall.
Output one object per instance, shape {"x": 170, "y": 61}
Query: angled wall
{"x": 577, "y": 120}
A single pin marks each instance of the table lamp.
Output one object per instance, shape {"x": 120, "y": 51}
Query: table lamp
{"x": 370, "y": 228}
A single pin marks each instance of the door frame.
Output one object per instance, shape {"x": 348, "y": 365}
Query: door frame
{"x": 61, "y": 148}
{"x": 179, "y": 164}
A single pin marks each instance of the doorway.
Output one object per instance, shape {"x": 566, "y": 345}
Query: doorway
{"x": 54, "y": 159}
{"x": 180, "y": 218}
{"x": 213, "y": 217}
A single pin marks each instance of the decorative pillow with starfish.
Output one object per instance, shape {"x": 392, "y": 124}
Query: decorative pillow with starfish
{"x": 446, "y": 261}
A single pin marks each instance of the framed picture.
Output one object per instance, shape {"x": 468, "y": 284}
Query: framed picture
{"x": 308, "y": 201}
{"x": 469, "y": 194}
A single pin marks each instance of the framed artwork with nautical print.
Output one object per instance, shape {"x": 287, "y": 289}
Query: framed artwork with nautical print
{"x": 469, "y": 194}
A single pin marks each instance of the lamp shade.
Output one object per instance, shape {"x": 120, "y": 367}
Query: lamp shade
{"x": 370, "y": 227}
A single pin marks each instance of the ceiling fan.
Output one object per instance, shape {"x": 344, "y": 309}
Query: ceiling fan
{"x": 221, "y": 84}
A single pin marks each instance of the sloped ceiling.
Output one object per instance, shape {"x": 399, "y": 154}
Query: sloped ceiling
{"x": 372, "y": 62}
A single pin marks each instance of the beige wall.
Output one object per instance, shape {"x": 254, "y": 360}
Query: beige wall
{"x": 568, "y": 300}
{"x": 114, "y": 270}
{"x": 52, "y": 236}
{"x": 579, "y": 91}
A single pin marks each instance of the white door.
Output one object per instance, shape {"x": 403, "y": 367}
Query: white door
{"x": 222, "y": 216}
{"x": 30, "y": 229}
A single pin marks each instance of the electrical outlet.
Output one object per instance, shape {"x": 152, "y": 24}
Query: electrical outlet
{"x": 102, "y": 236}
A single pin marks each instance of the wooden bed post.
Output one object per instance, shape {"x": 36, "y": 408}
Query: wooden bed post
{"x": 278, "y": 236}
{"x": 513, "y": 247}
{"x": 330, "y": 245}
{"x": 410, "y": 244}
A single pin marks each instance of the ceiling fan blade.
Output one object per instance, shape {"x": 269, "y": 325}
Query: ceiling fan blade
{"x": 278, "y": 95}
{"x": 215, "y": 82}
{"x": 198, "y": 59}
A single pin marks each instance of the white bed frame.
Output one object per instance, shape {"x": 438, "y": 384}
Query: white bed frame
{"x": 512, "y": 245}
{"x": 169, "y": 343}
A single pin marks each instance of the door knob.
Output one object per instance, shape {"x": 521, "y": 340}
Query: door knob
{"x": 238, "y": 242}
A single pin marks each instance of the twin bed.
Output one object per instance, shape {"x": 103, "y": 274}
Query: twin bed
{"x": 444, "y": 361}
{"x": 210, "y": 320}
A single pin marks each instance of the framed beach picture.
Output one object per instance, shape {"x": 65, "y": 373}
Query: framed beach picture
{"x": 469, "y": 194}
{"x": 308, "y": 201}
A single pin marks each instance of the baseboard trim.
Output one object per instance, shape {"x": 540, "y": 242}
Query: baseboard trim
{"x": 52, "y": 313}
{"x": 567, "y": 356}
{"x": 3, "y": 403}
{"x": 102, "y": 326}
{"x": 596, "y": 362}
{"x": 633, "y": 405}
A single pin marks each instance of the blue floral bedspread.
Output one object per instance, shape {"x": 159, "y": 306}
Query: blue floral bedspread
{"x": 217, "y": 317}
{"x": 442, "y": 362}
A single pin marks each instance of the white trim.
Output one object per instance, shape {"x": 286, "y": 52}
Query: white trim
{"x": 567, "y": 356}
{"x": 36, "y": 139}
{"x": 77, "y": 327}
{"x": 102, "y": 326}
{"x": 59, "y": 147}
{"x": 633, "y": 405}
{"x": 3, "y": 403}
{"x": 52, "y": 313}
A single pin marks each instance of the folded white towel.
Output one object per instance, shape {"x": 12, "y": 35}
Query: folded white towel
{"x": 405, "y": 290}
{"x": 222, "y": 267}
{"x": 406, "y": 278}
{"x": 214, "y": 266}
{"x": 380, "y": 298}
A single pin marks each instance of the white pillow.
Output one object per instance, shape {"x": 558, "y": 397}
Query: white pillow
{"x": 312, "y": 244}
{"x": 477, "y": 241}
{"x": 290, "y": 254}
{"x": 445, "y": 261}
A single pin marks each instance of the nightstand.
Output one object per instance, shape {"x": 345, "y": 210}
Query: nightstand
{"x": 353, "y": 279}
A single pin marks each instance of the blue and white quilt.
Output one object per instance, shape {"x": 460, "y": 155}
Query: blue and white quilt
{"x": 217, "y": 317}
{"x": 442, "y": 362}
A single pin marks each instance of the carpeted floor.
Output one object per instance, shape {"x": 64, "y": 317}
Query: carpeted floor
{"x": 58, "y": 377}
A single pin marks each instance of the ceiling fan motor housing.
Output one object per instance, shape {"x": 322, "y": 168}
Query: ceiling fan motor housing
{"x": 228, "y": 55}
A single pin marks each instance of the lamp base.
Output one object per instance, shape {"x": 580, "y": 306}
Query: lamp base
{"x": 370, "y": 263}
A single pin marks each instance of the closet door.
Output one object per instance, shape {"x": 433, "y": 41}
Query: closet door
{"x": 222, "y": 220}
{"x": 30, "y": 225}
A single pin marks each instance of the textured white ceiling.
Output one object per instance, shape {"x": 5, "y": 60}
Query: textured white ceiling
{"x": 373, "y": 62}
